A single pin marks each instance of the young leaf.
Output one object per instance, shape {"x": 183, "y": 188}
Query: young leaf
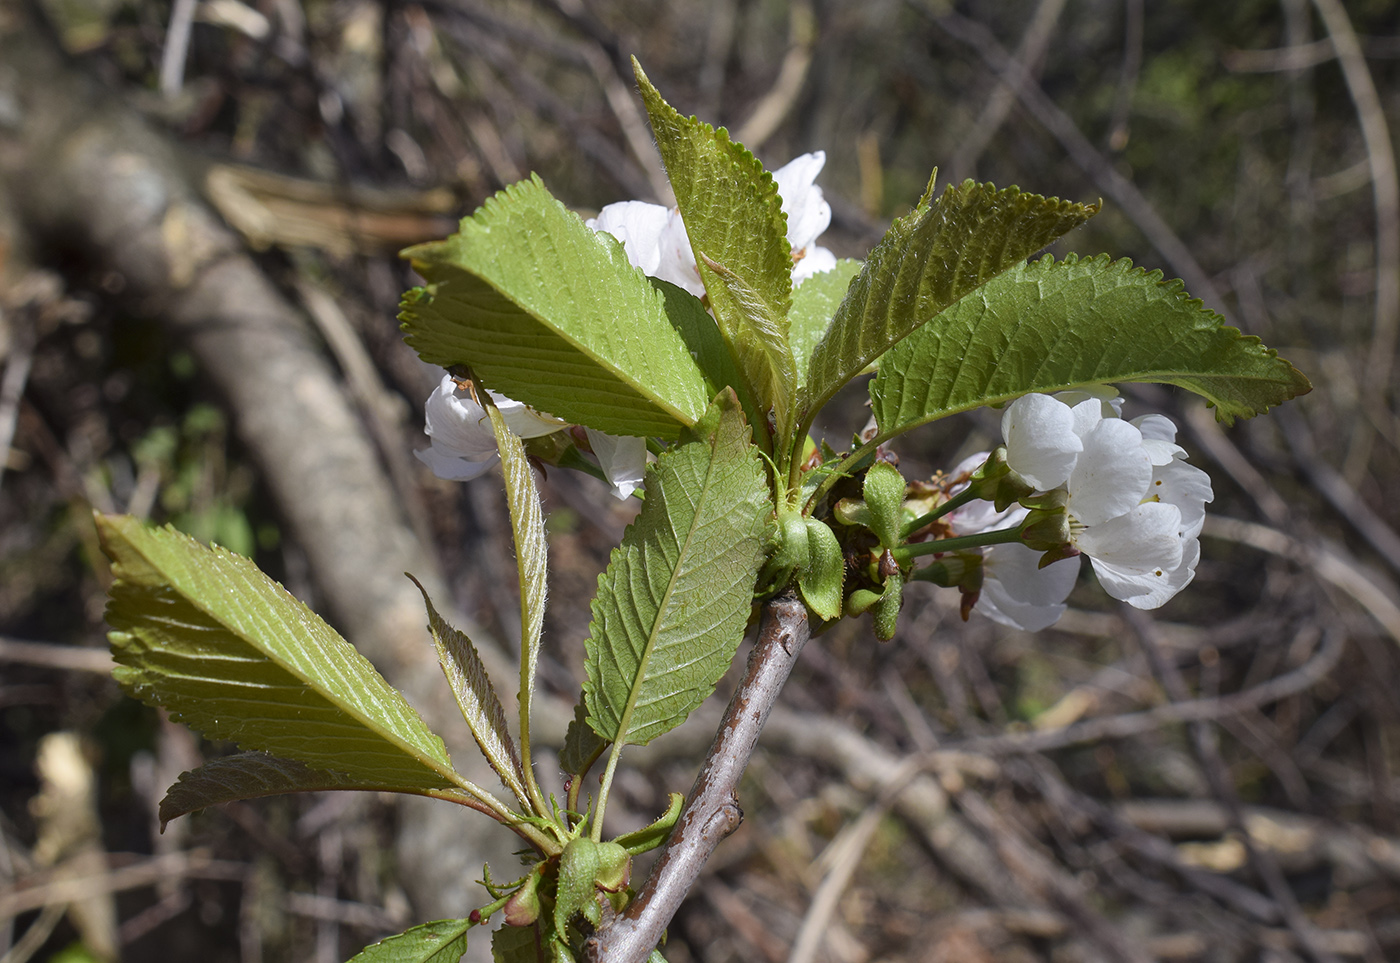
{"x": 471, "y": 687}
{"x": 582, "y": 747}
{"x": 814, "y": 304}
{"x": 649, "y": 837}
{"x": 738, "y": 232}
{"x": 231, "y": 653}
{"x": 552, "y": 314}
{"x": 672, "y": 605}
{"x": 442, "y": 941}
{"x": 521, "y": 944}
{"x": 251, "y": 775}
{"x": 532, "y": 563}
{"x": 927, "y": 260}
{"x": 1049, "y": 326}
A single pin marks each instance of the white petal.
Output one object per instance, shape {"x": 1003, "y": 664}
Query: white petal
{"x": 1088, "y": 413}
{"x": 979, "y": 516}
{"x": 623, "y": 459}
{"x": 1020, "y": 594}
{"x": 1186, "y": 487}
{"x": 1040, "y": 441}
{"x": 638, "y": 225}
{"x": 1155, "y": 426}
{"x": 814, "y": 261}
{"x": 1152, "y": 589}
{"x": 1146, "y": 539}
{"x": 808, "y": 213}
{"x": 458, "y": 424}
{"x": 524, "y": 420}
{"x": 677, "y": 259}
{"x": 450, "y": 466}
{"x": 1111, "y": 475}
{"x": 1110, "y": 402}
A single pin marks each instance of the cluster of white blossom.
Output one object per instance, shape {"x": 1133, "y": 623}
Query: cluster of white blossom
{"x": 1135, "y": 506}
{"x": 655, "y": 240}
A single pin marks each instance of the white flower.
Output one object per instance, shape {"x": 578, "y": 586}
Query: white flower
{"x": 623, "y": 459}
{"x": 655, "y": 240}
{"x": 463, "y": 443}
{"x": 1016, "y": 591}
{"x": 1135, "y": 506}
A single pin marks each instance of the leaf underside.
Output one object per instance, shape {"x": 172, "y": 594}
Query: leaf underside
{"x": 738, "y": 233}
{"x": 928, "y": 260}
{"x": 476, "y": 699}
{"x": 525, "y": 286}
{"x": 441, "y": 941}
{"x": 252, "y": 775}
{"x": 581, "y": 744}
{"x": 673, "y": 603}
{"x": 1050, "y": 326}
{"x": 232, "y": 654}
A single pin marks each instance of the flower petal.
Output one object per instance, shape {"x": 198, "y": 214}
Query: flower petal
{"x": 1186, "y": 487}
{"x": 450, "y": 466}
{"x": 457, "y": 423}
{"x": 623, "y": 459}
{"x": 524, "y": 420}
{"x": 1017, "y": 592}
{"x": 638, "y": 225}
{"x": 1146, "y": 539}
{"x": 1040, "y": 441}
{"x": 808, "y": 213}
{"x": 1152, "y": 589}
{"x": 1111, "y": 475}
{"x": 815, "y": 261}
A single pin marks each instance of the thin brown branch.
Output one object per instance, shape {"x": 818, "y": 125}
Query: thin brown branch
{"x": 1063, "y": 128}
{"x": 1385, "y": 187}
{"x": 712, "y": 811}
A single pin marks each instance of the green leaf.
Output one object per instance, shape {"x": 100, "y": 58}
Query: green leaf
{"x": 582, "y": 747}
{"x": 822, "y": 580}
{"x": 520, "y": 944}
{"x": 655, "y": 833}
{"x": 549, "y": 312}
{"x": 672, "y": 605}
{"x": 471, "y": 687}
{"x": 532, "y": 564}
{"x": 442, "y": 941}
{"x": 814, "y": 304}
{"x": 884, "y": 497}
{"x": 251, "y": 775}
{"x": 231, "y": 653}
{"x": 1049, "y": 326}
{"x": 927, "y": 260}
{"x": 738, "y": 233}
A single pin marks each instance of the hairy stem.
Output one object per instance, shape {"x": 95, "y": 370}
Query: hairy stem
{"x": 712, "y": 812}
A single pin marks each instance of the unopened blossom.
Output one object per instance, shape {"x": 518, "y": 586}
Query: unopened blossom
{"x": 1135, "y": 506}
{"x": 655, "y": 239}
{"x": 1016, "y": 591}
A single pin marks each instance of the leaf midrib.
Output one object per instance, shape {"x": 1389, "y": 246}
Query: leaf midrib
{"x": 625, "y": 723}
{"x": 379, "y": 733}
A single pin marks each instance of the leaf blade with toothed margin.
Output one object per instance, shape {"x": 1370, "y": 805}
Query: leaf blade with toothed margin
{"x": 1051, "y": 326}
{"x": 672, "y": 605}
{"x": 525, "y": 286}
{"x": 231, "y": 653}
{"x": 252, "y": 775}
{"x": 441, "y": 941}
{"x": 927, "y": 260}
{"x": 476, "y": 698}
{"x": 738, "y": 233}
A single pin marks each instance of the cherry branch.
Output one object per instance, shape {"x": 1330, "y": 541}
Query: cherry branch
{"x": 712, "y": 811}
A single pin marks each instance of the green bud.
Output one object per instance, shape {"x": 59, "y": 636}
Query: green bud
{"x": 884, "y": 496}
{"x": 852, "y": 511}
{"x": 523, "y": 907}
{"x": 886, "y": 611}
{"x": 822, "y": 582}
